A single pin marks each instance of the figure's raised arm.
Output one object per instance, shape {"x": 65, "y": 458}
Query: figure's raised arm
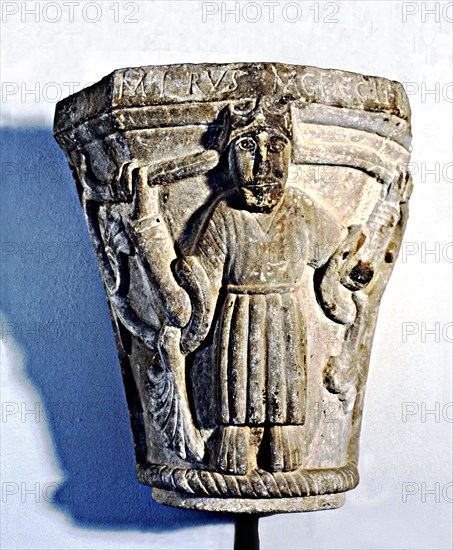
{"x": 147, "y": 227}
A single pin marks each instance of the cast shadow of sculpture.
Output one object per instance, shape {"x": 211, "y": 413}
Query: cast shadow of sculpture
{"x": 55, "y": 305}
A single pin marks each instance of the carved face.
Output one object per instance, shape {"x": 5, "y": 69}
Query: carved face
{"x": 258, "y": 162}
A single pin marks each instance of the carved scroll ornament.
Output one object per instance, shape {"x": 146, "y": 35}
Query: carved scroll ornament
{"x": 246, "y": 219}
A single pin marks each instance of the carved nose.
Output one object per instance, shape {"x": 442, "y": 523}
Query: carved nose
{"x": 261, "y": 167}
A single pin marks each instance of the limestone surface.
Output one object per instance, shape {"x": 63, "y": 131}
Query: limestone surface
{"x": 246, "y": 219}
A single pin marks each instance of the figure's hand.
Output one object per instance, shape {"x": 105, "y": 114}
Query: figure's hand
{"x": 134, "y": 181}
{"x": 140, "y": 181}
{"x": 355, "y": 274}
{"x": 335, "y": 292}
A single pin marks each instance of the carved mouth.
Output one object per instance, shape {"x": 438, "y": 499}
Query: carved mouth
{"x": 263, "y": 183}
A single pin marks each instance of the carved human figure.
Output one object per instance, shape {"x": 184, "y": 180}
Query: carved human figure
{"x": 239, "y": 284}
{"x": 251, "y": 251}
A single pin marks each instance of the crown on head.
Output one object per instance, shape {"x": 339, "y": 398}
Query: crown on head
{"x": 262, "y": 113}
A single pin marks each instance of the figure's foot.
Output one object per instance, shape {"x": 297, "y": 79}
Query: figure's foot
{"x": 233, "y": 449}
{"x": 286, "y": 448}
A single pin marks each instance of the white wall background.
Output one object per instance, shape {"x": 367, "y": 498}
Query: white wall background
{"x": 51, "y": 50}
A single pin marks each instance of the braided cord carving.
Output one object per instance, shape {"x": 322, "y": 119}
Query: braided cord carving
{"x": 257, "y": 484}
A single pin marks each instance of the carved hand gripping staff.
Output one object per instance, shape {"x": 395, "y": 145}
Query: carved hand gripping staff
{"x": 246, "y": 219}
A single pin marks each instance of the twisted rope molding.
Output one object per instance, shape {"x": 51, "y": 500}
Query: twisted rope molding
{"x": 257, "y": 484}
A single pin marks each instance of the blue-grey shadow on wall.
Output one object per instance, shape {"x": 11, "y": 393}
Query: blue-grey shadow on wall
{"x": 56, "y": 310}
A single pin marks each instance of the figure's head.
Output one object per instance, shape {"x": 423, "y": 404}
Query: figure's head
{"x": 259, "y": 156}
{"x": 258, "y": 162}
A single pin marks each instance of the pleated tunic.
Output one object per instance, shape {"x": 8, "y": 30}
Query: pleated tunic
{"x": 255, "y": 264}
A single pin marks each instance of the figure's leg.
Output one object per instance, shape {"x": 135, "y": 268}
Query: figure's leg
{"x": 286, "y": 447}
{"x": 232, "y": 453}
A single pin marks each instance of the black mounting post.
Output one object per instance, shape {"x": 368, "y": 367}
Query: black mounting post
{"x": 246, "y": 533}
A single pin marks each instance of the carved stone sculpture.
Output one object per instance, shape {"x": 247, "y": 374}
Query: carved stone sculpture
{"x": 246, "y": 219}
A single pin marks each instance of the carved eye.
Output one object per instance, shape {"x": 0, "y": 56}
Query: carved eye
{"x": 247, "y": 144}
{"x": 276, "y": 145}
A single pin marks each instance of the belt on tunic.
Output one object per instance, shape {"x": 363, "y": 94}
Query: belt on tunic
{"x": 262, "y": 289}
